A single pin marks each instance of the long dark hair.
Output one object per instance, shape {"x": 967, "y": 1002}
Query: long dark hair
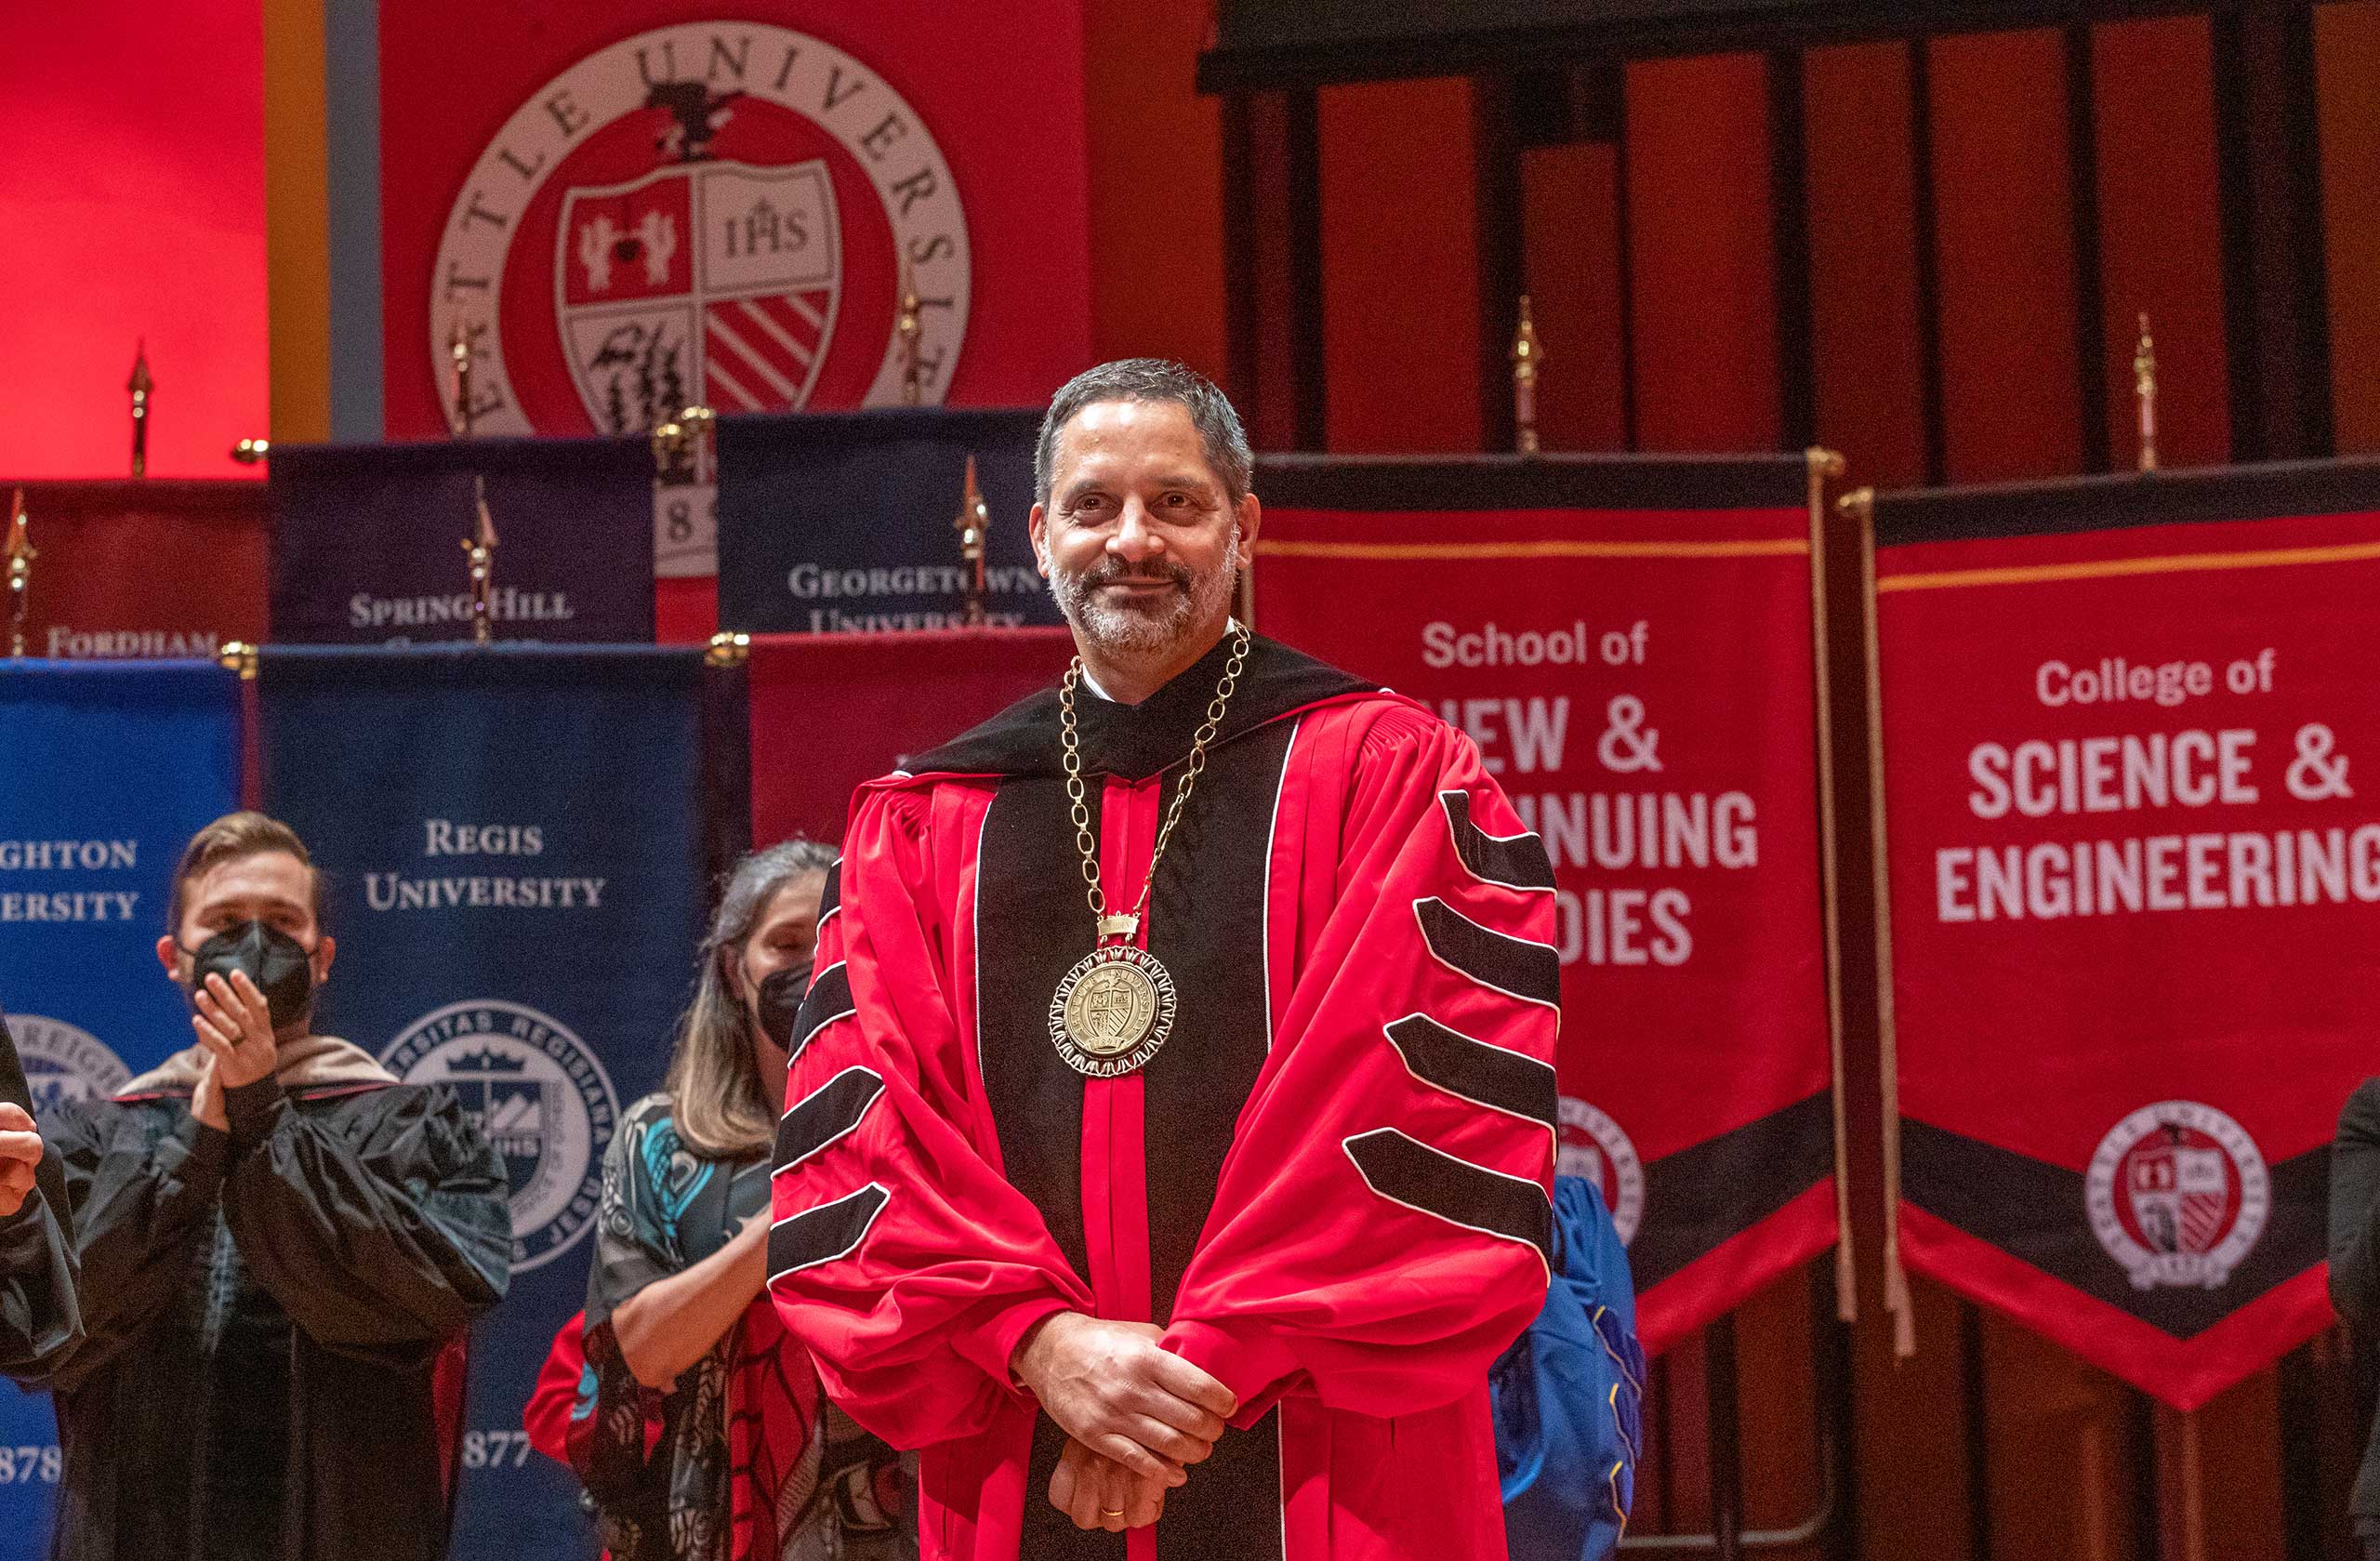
{"x": 714, "y": 1082}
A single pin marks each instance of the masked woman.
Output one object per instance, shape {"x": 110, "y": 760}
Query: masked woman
{"x": 750, "y": 1462}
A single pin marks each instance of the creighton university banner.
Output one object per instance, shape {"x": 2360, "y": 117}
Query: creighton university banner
{"x": 1629, "y": 643}
{"x": 514, "y": 864}
{"x": 843, "y": 523}
{"x": 368, "y": 540}
{"x": 2132, "y": 761}
{"x": 110, "y": 770}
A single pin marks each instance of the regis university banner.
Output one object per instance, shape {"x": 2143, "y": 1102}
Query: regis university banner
{"x": 2134, "y": 854}
{"x": 1629, "y": 643}
{"x": 512, "y": 844}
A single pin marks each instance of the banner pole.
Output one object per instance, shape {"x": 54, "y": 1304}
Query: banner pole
{"x": 1861, "y": 505}
{"x": 20, "y": 557}
{"x": 1825, "y": 465}
{"x": 2144, "y": 386}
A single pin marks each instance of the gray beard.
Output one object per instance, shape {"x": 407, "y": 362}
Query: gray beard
{"x": 1131, "y": 630}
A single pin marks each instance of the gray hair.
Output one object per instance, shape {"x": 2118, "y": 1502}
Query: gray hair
{"x": 714, "y": 1081}
{"x": 1219, "y": 435}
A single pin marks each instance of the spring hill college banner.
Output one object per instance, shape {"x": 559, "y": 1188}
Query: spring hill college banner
{"x": 514, "y": 930}
{"x": 110, "y": 770}
{"x": 1629, "y": 643}
{"x": 2129, "y": 729}
{"x": 636, "y": 207}
{"x": 366, "y": 540}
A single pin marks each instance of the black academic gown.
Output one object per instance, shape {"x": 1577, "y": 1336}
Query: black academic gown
{"x": 264, "y": 1309}
{"x": 39, "y": 1322}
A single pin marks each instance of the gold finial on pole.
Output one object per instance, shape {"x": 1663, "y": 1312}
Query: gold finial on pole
{"x": 910, "y": 329}
{"x": 238, "y": 655}
{"x": 1525, "y": 355}
{"x": 248, "y": 452}
{"x": 2144, "y": 385}
{"x": 481, "y": 549}
{"x": 21, "y": 573}
{"x": 141, "y": 385}
{"x": 727, "y": 648}
{"x": 462, "y": 350}
{"x": 974, "y": 528}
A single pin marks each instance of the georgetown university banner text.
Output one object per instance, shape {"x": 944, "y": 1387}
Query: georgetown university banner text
{"x": 514, "y": 868}
{"x": 1629, "y": 643}
{"x": 110, "y": 770}
{"x": 843, "y": 523}
{"x": 2135, "y": 844}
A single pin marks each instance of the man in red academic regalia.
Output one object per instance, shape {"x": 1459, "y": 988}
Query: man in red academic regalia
{"x": 1168, "y": 1171}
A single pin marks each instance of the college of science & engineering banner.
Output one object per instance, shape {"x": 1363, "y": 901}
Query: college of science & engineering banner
{"x": 1629, "y": 643}
{"x": 514, "y": 864}
{"x": 840, "y": 522}
{"x": 110, "y": 768}
{"x": 2129, "y": 732}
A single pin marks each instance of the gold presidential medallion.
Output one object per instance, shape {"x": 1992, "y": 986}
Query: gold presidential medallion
{"x": 1113, "y": 1012}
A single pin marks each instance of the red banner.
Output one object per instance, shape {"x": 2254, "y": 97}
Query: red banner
{"x": 158, "y": 567}
{"x": 2135, "y": 899}
{"x": 832, "y": 710}
{"x": 649, "y": 204}
{"x": 1629, "y": 643}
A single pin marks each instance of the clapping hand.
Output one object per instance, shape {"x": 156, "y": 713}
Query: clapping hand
{"x": 19, "y": 1153}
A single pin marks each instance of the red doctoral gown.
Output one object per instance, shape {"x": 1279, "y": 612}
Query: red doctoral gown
{"x": 1331, "y": 1185}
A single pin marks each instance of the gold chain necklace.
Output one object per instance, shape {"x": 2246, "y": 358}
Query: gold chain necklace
{"x": 1115, "y": 1008}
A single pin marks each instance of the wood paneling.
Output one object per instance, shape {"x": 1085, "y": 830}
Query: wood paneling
{"x": 1703, "y": 294}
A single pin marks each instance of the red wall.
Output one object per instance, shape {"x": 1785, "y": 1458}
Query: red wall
{"x": 131, "y": 205}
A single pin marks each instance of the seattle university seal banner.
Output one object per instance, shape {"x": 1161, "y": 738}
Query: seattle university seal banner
{"x": 110, "y": 769}
{"x": 2135, "y": 898}
{"x": 628, "y": 211}
{"x": 514, "y": 930}
{"x": 1629, "y": 643}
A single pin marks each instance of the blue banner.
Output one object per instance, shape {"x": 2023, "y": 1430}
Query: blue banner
{"x": 110, "y": 768}
{"x": 367, "y": 542}
{"x": 514, "y": 853}
{"x": 841, "y": 522}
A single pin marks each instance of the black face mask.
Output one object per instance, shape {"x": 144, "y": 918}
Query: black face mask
{"x": 781, "y": 997}
{"x": 275, "y": 961}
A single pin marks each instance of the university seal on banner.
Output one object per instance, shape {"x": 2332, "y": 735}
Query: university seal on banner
{"x": 538, "y": 1093}
{"x": 1590, "y": 1144}
{"x": 63, "y": 1062}
{"x": 2177, "y": 1193}
{"x": 713, "y": 213}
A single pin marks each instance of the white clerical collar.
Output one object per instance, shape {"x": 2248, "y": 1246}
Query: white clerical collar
{"x": 1230, "y": 624}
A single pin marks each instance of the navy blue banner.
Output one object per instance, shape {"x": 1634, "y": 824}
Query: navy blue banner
{"x": 515, "y": 860}
{"x": 368, "y": 540}
{"x": 110, "y": 768}
{"x": 841, "y": 522}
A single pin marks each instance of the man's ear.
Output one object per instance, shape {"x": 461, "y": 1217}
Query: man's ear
{"x": 1037, "y": 526}
{"x": 168, "y": 953}
{"x": 1247, "y": 515}
{"x": 325, "y": 950}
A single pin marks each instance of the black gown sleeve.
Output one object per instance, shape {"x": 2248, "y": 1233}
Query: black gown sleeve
{"x": 2355, "y": 1209}
{"x": 378, "y": 1221}
{"x": 40, "y": 1321}
{"x": 139, "y": 1198}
